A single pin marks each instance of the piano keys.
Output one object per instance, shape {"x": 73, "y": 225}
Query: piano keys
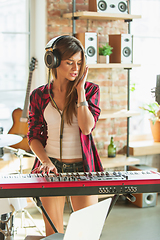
{"x": 69, "y": 184}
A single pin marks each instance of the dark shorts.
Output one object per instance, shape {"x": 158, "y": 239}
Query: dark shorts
{"x": 67, "y": 167}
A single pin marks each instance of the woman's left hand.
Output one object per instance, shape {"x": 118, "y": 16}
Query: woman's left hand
{"x": 81, "y": 83}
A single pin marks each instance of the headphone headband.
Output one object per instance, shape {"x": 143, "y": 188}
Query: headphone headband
{"x": 53, "y": 41}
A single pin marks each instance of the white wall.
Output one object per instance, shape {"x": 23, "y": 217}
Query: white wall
{"x": 38, "y": 40}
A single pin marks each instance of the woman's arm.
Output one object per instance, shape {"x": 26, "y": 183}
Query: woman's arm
{"x": 85, "y": 118}
{"x": 40, "y": 152}
{"x": 37, "y": 133}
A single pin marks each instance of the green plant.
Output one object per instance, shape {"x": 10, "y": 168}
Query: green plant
{"x": 105, "y": 50}
{"x": 132, "y": 87}
{"x": 154, "y": 109}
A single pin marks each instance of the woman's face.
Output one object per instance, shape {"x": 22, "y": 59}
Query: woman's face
{"x": 69, "y": 69}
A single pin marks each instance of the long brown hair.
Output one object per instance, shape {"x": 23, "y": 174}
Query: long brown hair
{"x": 67, "y": 47}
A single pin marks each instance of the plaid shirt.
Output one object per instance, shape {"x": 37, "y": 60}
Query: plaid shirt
{"x": 39, "y": 99}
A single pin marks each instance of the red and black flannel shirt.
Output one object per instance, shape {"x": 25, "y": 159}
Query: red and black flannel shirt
{"x": 39, "y": 99}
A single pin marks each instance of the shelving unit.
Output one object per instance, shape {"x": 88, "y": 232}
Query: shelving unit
{"x": 120, "y": 160}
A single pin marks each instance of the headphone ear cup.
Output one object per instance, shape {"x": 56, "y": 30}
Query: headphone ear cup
{"x": 52, "y": 59}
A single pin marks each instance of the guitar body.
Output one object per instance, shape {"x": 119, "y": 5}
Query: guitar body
{"x": 20, "y": 117}
{"x": 20, "y": 128}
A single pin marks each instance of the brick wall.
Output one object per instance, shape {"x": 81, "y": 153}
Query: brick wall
{"x": 112, "y": 82}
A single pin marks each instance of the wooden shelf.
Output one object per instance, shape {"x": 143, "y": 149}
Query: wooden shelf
{"x": 113, "y": 65}
{"x": 117, "y": 114}
{"x": 118, "y": 161}
{"x": 101, "y": 16}
{"x": 142, "y": 148}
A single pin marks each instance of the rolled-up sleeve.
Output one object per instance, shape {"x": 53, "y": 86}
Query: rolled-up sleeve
{"x": 36, "y": 123}
{"x": 93, "y": 99}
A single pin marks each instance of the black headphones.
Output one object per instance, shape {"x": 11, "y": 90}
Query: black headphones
{"x": 52, "y": 56}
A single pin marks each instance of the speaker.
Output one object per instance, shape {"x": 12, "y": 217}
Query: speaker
{"x": 122, "y": 48}
{"x": 52, "y": 56}
{"x": 89, "y": 41}
{"x": 108, "y": 6}
{"x": 144, "y": 199}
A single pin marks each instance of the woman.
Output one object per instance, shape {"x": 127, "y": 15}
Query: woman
{"x": 65, "y": 146}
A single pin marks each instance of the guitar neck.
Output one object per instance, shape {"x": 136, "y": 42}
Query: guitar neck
{"x": 26, "y": 103}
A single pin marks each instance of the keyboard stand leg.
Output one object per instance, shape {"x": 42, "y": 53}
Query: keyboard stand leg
{"x": 114, "y": 199}
{"x": 39, "y": 204}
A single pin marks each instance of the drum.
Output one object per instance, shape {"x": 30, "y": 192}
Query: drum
{"x": 6, "y": 226}
{"x": 7, "y": 208}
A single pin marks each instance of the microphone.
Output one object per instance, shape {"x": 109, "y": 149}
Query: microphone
{"x": 156, "y": 90}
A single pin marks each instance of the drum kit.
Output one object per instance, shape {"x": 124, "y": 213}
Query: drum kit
{"x": 7, "y": 140}
{"x": 11, "y": 205}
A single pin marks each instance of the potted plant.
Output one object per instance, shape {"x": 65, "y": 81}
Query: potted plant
{"x": 104, "y": 53}
{"x": 154, "y": 110}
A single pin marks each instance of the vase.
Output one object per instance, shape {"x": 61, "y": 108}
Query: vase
{"x": 103, "y": 59}
{"x": 155, "y": 129}
{"x": 107, "y": 59}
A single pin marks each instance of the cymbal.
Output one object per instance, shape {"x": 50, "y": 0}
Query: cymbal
{"x": 9, "y": 139}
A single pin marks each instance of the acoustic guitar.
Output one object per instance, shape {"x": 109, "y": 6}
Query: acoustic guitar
{"x": 20, "y": 117}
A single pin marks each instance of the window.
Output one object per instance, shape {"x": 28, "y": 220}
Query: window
{"x": 146, "y": 51}
{"x": 22, "y": 36}
{"x": 14, "y": 49}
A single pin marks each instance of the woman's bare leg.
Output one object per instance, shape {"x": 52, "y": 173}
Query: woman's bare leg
{"x": 54, "y": 207}
{"x": 79, "y": 202}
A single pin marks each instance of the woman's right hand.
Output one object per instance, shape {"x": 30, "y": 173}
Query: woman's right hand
{"x": 45, "y": 168}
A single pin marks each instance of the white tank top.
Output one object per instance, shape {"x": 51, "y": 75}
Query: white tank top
{"x": 71, "y": 145}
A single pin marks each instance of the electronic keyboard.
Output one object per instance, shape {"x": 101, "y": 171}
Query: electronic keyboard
{"x": 71, "y": 184}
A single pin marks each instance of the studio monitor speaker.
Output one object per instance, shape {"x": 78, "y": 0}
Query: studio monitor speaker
{"x": 108, "y": 6}
{"x": 89, "y": 41}
{"x": 122, "y": 48}
{"x": 144, "y": 199}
